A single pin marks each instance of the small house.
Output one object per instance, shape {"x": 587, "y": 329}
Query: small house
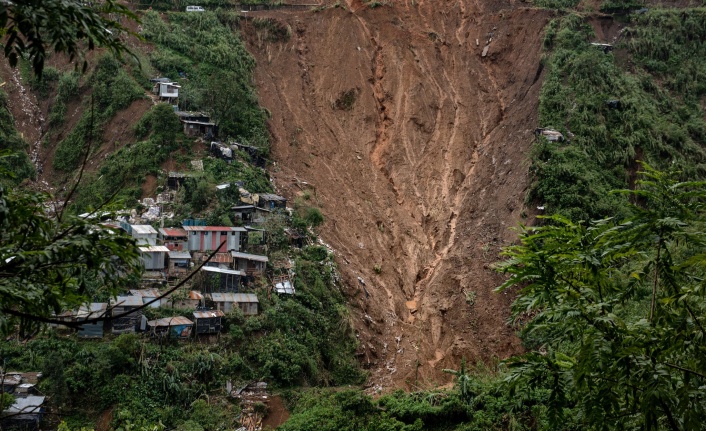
{"x": 283, "y": 284}
{"x": 153, "y": 257}
{"x": 25, "y": 413}
{"x": 173, "y": 238}
{"x": 209, "y": 238}
{"x": 148, "y": 295}
{"x": 221, "y": 151}
{"x": 218, "y": 260}
{"x": 10, "y": 381}
{"x": 271, "y": 201}
{"x": 178, "y": 263}
{"x": 197, "y": 123}
{"x": 91, "y": 311}
{"x": 551, "y": 135}
{"x": 250, "y": 214}
{"x": 144, "y": 234}
{"x": 178, "y": 327}
{"x": 175, "y": 180}
{"x": 605, "y": 47}
{"x": 227, "y": 302}
{"x": 193, "y": 299}
{"x": 208, "y": 322}
{"x": 165, "y": 88}
{"x": 128, "y": 323}
{"x": 251, "y": 264}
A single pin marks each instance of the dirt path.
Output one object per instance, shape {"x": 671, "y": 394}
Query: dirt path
{"x": 423, "y": 177}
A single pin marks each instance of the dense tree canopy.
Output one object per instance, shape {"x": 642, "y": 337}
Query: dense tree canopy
{"x": 50, "y": 262}
{"x": 617, "y": 310}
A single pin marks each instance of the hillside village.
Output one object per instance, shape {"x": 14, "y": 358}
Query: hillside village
{"x": 361, "y": 215}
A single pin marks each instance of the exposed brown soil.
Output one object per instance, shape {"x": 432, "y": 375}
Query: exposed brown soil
{"x": 277, "y": 414}
{"x": 421, "y": 174}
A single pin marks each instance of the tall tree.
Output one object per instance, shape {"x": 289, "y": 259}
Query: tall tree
{"x": 50, "y": 261}
{"x": 32, "y": 28}
{"x": 618, "y": 310}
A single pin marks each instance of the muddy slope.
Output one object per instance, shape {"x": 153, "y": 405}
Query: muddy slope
{"x": 416, "y": 148}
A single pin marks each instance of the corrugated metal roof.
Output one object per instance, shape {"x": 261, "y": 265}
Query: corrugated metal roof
{"x": 179, "y": 255}
{"x": 143, "y": 229}
{"x": 154, "y": 249}
{"x": 271, "y": 197}
{"x": 248, "y": 256}
{"x": 95, "y": 309}
{"x": 233, "y": 297}
{"x": 221, "y": 258}
{"x": 26, "y": 405}
{"x": 208, "y": 314}
{"x": 126, "y": 301}
{"x": 195, "y": 294}
{"x": 170, "y": 321}
{"x": 172, "y": 231}
{"x": 243, "y": 207}
{"x": 214, "y": 229}
{"x": 221, "y": 270}
{"x": 284, "y": 286}
{"x": 145, "y": 293}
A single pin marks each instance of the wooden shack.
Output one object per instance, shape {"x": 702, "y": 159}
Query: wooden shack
{"x": 91, "y": 311}
{"x": 178, "y": 327}
{"x": 208, "y": 322}
{"x": 271, "y": 201}
{"x": 178, "y": 263}
{"x": 251, "y": 264}
{"x": 193, "y": 299}
{"x": 129, "y": 323}
{"x": 173, "y": 238}
{"x": 153, "y": 256}
{"x": 227, "y": 302}
{"x": 25, "y": 413}
{"x": 148, "y": 295}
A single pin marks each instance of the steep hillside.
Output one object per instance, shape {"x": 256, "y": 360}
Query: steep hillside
{"x": 415, "y": 145}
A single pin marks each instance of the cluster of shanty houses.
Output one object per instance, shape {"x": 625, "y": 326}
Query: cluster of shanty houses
{"x": 27, "y": 408}
{"x": 172, "y": 253}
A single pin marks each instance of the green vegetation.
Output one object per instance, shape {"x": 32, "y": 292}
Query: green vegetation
{"x": 295, "y": 340}
{"x": 15, "y": 161}
{"x": 35, "y": 246}
{"x": 67, "y": 88}
{"x": 33, "y": 29}
{"x": 112, "y": 90}
{"x": 658, "y": 118}
{"x": 618, "y": 311}
{"x": 123, "y": 171}
{"x": 205, "y": 48}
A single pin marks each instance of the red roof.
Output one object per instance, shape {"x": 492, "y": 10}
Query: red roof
{"x": 168, "y": 231}
{"x": 214, "y": 229}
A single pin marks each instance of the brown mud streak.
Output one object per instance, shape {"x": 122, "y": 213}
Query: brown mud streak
{"x": 423, "y": 176}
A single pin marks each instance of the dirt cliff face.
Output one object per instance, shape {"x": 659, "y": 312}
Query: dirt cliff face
{"x": 415, "y": 146}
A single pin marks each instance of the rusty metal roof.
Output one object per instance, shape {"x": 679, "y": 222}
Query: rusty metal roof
{"x": 195, "y": 294}
{"x": 248, "y": 256}
{"x": 172, "y": 231}
{"x": 233, "y": 297}
{"x": 170, "y": 321}
{"x": 126, "y": 301}
{"x": 145, "y": 293}
{"x": 208, "y": 314}
{"x": 214, "y": 229}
